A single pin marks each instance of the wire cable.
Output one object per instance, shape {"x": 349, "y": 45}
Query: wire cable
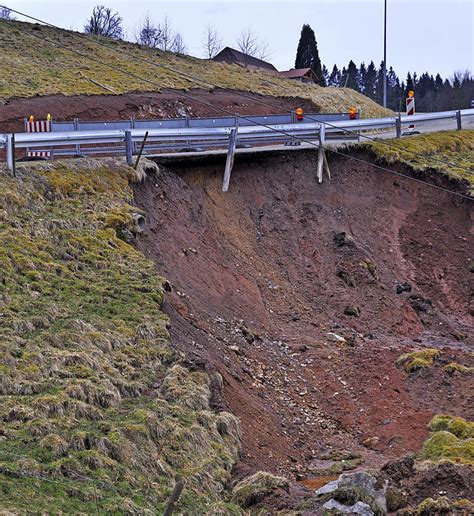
{"x": 201, "y": 82}
{"x": 311, "y": 143}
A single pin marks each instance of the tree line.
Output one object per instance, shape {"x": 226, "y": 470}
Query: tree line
{"x": 431, "y": 93}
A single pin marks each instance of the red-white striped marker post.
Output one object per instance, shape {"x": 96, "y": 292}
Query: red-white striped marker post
{"x": 410, "y": 106}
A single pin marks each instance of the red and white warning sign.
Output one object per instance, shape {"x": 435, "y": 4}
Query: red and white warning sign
{"x": 38, "y": 126}
{"x": 410, "y": 106}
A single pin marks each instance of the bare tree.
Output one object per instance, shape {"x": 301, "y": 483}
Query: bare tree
{"x": 6, "y": 14}
{"x": 247, "y": 42}
{"x": 167, "y": 35}
{"x": 212, "y": 43}
{"x": 250, "y": 45}
{"x": 104, "y": 22}
{"x": 263, "y": 50}
{"x": 148, "y": 33}
{"x": 178, "y": 45}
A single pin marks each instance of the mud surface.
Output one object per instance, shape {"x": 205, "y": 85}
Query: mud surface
{"x": 259, "y": 277}
{"x": 165, "y": 104}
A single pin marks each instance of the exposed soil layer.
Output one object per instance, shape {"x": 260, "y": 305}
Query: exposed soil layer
{"x": 164, "y": 104}
{"x": 260, "y": 275}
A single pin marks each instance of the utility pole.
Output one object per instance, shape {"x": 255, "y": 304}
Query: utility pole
{"x": 385, "y": 54}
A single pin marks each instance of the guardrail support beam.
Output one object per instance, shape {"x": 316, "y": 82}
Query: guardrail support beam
{"x": 458, "y": 120}
{"x": 230, "y": 159}
{"x": 129, "y": 148}
{"x": 398, "y": 126}
{"x": 10, "y": 151}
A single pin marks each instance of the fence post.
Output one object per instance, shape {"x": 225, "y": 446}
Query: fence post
{"x": 398, "y": 125}
{"x": 10, "y": 150}
{"x": 129, "y": 148}
{"x": 458, "y": 120}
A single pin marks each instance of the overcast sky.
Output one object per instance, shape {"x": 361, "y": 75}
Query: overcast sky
{"x": 423, "y": 35}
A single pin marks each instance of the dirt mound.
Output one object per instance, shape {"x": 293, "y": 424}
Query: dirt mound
{"x": 165, "y": 104}
{"x": 303, "y": 296}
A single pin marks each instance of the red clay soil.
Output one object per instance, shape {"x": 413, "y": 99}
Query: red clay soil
{"x": 258, "y": 280}
{"x": 164, "y": 104}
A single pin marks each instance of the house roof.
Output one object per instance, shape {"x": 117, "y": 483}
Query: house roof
{"x": 244, "y": 59}
{"x": 296, "y": 73}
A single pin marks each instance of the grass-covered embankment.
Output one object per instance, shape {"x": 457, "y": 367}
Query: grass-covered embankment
{"x": 453, "y": 150}
{"x": 33, "y": 66}
{"x": 96, "y": 412}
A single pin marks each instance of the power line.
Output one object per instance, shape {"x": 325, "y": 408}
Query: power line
{"x": 108, "y": 65}
{"x": 200, "y": 81}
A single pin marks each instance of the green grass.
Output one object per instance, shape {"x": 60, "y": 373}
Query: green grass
{"x": 452, "y": 438}
{"x": 97, "y": 412}
{"x": 33, "y": 67}
{"x": 454, "y": 147}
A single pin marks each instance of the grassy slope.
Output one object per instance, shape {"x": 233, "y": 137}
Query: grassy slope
{"x": 30, "y": 67}
{"x": 89, "y": 386}
{"x": 454, "y": 147}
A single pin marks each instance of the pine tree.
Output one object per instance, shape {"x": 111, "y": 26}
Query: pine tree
{"x": 379, "y": 85}
{"x": 307, "y": 55}
{"x": 362, "y": 77}
{"x": 410, "y": 86}
{"x": 351, "y": 79}
{"x": 343, "y": 78}
{"x": 394, "y": 92}
{"x": 325, "y": 73}
{"x": 335, "y": 77}
{"x": 370, "y": 80}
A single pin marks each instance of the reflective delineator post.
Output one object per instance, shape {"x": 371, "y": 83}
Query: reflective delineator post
{"x": 458, "y": 120}
{"x": 410, "y": 106}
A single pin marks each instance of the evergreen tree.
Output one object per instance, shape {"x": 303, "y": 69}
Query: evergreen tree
{"x": 362, "y": 78}
{"x": 343, "y": 78}
{"x": 351, "y": 80}
{"x": 325, "y": 72}
{"x": 379, "y": 85}
{"x": 394, "y": 91}
{"x": 307, "y": 55}
{"x": 335, "y": 77}
{"x": 370, "y": 80}
{"x": 410, "y": 86}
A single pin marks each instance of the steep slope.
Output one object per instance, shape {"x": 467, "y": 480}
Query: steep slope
{"x": 97, "y": 411}
{"x": 265, "y": 275}
{"x": 33, "y": 66}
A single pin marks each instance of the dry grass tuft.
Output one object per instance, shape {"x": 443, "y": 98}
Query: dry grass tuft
{"x": 418, "y": 359}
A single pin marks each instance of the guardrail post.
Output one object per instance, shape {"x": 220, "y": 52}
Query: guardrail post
{"x": 458, "y": 120}
{"x": 230, "y": 159}
{"x": 398, "y": 126}
{"x": 322, "y": 134}
{"x": 10, "y": 149}
{"x": 129, "y": 148}
{"x": 76, "y": 128}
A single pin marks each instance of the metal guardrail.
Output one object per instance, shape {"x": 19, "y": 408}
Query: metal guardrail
{"x": 200, "y": 134}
